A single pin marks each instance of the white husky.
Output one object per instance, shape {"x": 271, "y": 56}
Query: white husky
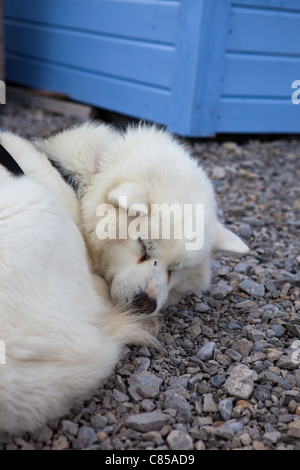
{"x": 144, "y": 167}
{"x": 61, "y": 334}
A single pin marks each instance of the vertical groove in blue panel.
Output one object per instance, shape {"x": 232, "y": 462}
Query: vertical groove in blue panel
{"x": 210, "y": 70}
{"x": 189, "y": 33}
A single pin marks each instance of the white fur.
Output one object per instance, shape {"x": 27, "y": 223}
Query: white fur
{"x": 35, "y": 164}
{"x": 148, "y": 166}
{"x": 62, "y": 336}
{"x": 61, "y": 339}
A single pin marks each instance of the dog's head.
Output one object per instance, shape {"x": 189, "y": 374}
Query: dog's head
{"x": 150, "y": 221}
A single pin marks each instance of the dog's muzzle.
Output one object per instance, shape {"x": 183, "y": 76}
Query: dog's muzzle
{"x": 143, "y": 303}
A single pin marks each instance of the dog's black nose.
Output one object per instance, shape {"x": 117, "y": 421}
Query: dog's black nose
{"x": 143, "y": 303}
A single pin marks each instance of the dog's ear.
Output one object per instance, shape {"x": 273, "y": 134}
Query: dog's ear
{"x": 129, "y": 194}
{"x": 228, "y": 241}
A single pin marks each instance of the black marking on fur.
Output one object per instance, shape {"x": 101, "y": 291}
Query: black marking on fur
{"x": 67, "y": 176}
{"x": 9, "y": 162}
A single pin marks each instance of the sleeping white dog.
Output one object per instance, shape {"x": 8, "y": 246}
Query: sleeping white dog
{"x": 135, "y": 172}
{"x": 60, "y": 333}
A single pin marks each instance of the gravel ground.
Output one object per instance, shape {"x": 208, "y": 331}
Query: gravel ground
{"x": 226, "y": 374}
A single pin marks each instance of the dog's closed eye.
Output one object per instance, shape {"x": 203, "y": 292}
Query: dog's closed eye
{"x": 175, "y": 267}
{"x": 144, "y": 256}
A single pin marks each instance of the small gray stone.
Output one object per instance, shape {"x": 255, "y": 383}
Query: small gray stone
{"x": 225, "y": 408}
{"x": 242, "y": 346}
{"x": 70, "y": 427}
{"x": 98, "y": 421}
{"x": 262, "y": 392}
{"x": 240, "y": 383}
{"x": 199, "y": 445}
{"x": 294, "y": 330}
{"x": 257, "y": 347}
{"x": 270, "y": 286}
{"x": 151, "y": 435}
{"x": 119, "y": 396}
{"x": 284, "y": 276}
{"x": 178, "y": 382}
{"x": 236, "y": 426}
{"x": 206, "y": 352}
{"x": 241, "y": 268}
{"x": 224, "y": 432}
{"x": 86, "y": 437}
{"x": 144, "y": 384}
{"x": 203, "y": 387}
{"x": 284, "y": 384}
{"x": 173, "y": 399}
{"x": 209, "y": 405}
{"x": 245, "y": 439}
{"x": 234, "y": 355}
{"x": 201, "y": 308}
{"x": 256, "y": 335}
{"x": 144, "y": 364}
{"x": 220, "y": 290}
{"x": 278, "y": 330}
{"x": 179, "y": 440}
{"x": 285, "y": 418}
{"x": 217, "y": 380}
{"x": 294, "y": 429}
{"x": 223, "y": 359}
{"x": 257, "y": 357}
{"x": 233, "y": 325}
{"x": 287, "y": 361}
{"x": 222, "y": 271}
{"x": 252, "y": 288}
{"x": 272, "y": 436}
{"x": 195, "y": 328}
{"x": 145, "y": 422}
{"x": 270, "y": 377}
{"x": 245, "y": 232}
{"x": 147, "y": 405}
{"x": 218, "y": 173}
{"x": 246, "y": 305}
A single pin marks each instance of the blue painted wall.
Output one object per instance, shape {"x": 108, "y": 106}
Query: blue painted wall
{"x": 198, "y": 66}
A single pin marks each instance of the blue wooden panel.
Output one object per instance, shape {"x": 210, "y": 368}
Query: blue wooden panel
{"x": 279, "y": 5}
{"x": 264, "y": 31}
{"x": 197, "y": 66}
{"x": 190, "y": 34}
{"x": 117, "y": 95}
{"x": 132, "y": 59}
{"x": 259, "y": 75}
{"x": 258, "y": 116}
{"x": 262, "y": 60}
{"x": 148, "y": 19}
{"x": 210, "y": 67}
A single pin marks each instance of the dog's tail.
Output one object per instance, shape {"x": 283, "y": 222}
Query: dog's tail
{"x": 127, "y": 326}
{"x": 122, "y": 322}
